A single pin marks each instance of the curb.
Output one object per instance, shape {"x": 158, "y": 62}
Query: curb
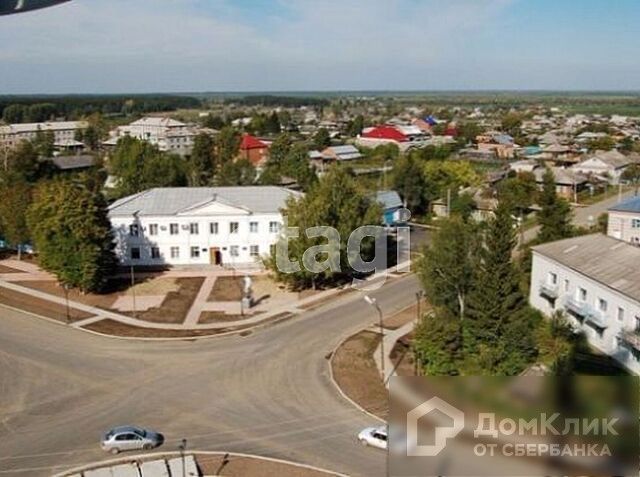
{"x": 165, "y": 455}
{"x": 147, "y": 339}
{"x": 337, "y": 386}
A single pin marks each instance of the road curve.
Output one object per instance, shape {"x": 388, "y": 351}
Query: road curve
{"x": 268, "y": 393}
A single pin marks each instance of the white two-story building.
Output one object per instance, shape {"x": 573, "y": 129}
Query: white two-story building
{"x": 624, "y": 221}
{"x": 595, "y": 281}
{"x": 166, "y": 133}
{"x": 198, "y": 225}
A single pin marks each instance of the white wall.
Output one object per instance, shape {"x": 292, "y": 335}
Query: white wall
{"x": 607, "y": 341}
{"x": 621, "y": 226}
{"x": 204, "y": 240}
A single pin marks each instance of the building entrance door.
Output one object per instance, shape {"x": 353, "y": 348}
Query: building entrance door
{"x": 215, "y": 256}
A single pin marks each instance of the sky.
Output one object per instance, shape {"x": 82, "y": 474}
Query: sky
{"x": 138, "y": 46}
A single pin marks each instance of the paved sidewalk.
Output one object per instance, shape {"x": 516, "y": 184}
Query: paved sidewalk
{"x": 200, "y": 301}
{"x": 389, "y": 341}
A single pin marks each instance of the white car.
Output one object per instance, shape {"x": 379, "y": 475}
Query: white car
{"x": 375, "y": 437}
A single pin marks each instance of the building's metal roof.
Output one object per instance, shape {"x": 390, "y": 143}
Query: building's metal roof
{"x": 172, "y": 201}
{"x": 73, "y": 162}
{"x": 613, "y": 263}
{"x": 389, "y": 199}
{"x": 630, "y": 205}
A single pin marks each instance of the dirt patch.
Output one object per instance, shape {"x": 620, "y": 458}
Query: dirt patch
{"x": 402, "y": 357}
{"x": 356, "y": 373}
{"x": 5, "y": 269}
{"x": 115, "y": 328}
{"x": 227, "y": 289}
{"x": 40, "y": 307}
{"x": 53, "y": 288}
{"x": 249, "y": 467}
{"x": 176, "y": 305}
{"x": 405, "y": 316}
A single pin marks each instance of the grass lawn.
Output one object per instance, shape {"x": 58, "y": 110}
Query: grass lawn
{"x": 40, "y": 307}
{"x": 177, "y": 303}
{"x": 356, "y": 373}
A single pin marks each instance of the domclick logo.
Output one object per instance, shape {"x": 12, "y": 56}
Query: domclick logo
{"x": 442, "y": 434}
{"x": 514, "y": 426}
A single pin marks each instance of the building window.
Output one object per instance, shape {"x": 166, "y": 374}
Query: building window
{"x": 637, "y": 324}
{"x": 195, "y": 252}
{"x": 620, "y": 314}
{"x": 134, "y": 230}
{"x": 566, "y": 285}
{"x": 174, "y": 229}
{"x": 193, "y": 229}
{"x": 213, "y": 228}
{"x": 602, "y": 305}
{"x": 234, "y": 227}
{"x": 153, "y": 229}
{"x": 135, "y": 253}
{"x": 552, "y": 278}
{"x": 254, "y": 250}
{"x": 155, "y": 253}
{"x": 635, "y": 223}
{"x": 253, "y": 227}
{"x": 582, "y": 294}
{"x": 175, "y": 252}
{"x": 234, "y": 251}
{"x": 274, "y": 227}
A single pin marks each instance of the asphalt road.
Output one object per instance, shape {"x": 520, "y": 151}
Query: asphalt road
{"x": 268, "y": 393}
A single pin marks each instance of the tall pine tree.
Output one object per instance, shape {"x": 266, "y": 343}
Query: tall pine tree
{"x": 555, "y": 216}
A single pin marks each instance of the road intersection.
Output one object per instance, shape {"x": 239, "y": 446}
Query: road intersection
{"x": 268, "y": 393}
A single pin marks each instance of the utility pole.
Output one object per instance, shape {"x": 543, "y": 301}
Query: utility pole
{"x": 374, "y": 303}
{"x": 133, "y": 291}
{"x": 183, "y": 448}
{"x": 448, "y": 203}
{"x": 66, "y": 296}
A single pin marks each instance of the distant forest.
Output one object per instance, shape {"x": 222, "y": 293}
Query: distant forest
{"x": 273, "y": 101}
{"x": 25, "y": 109}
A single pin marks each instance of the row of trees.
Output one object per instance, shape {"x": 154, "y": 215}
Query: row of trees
{"x": 64, "y": 217}
{"x": 481, "y": 322}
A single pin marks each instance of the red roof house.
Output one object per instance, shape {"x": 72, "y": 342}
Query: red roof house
{"x": 387, "y": 133}
{"x": 254, "y": 150}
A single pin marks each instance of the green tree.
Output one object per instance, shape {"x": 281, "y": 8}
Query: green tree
{"x": 236, "y": 173}
{"x": 496, "y": 304}
{"x": 272, "y": 124}
{"x": 44, "y": 143}
{"x": 72, "y": 233}
{"x": 138, "y": 165}
{"x": 511, "y": 124}
{"x": 446, "y": 268}
{"x": 555, "y": 215}
{"x": 24, "y": 164}
{"x": 437, "y": 344}
{"x": 201, "y": 165}
{"x": 519, "y": 191}
{"x": 355, "y": 126}
{"x": 605, "y": 143}
{"x": 322, "y": 139}
{"x": 632, "y": 175}
{"x": 335, "y": 201}
{"x": 408, "y": 182}
{"x": 16, "y": 197}
{"x": 227, "y": 144}
{"x": 14, "y": 113}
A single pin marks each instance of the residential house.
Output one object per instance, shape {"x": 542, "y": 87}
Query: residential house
{"x": 334, "y": 154}
{"x": 405, "y": 137}
{"x": 499, "y": 144}
{"x": 254, "y": 150}
{"x": 392, "y": 207}
{"x": 568, "y": 182}
{"x": 64, "y": 133}
{"x": 607, "y": 166}
{"x": 73, "y": 163}
{"x": 595, "y": 281}
{"x": 167, "y": 134}
{"x": 198, "y": 225}
{"x": 624, "y": 221}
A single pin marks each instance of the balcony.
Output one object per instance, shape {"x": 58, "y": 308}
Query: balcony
{"x": 548, "y": 290}
{"x": 631, "y": 338}
{"x": 577, "y": 308}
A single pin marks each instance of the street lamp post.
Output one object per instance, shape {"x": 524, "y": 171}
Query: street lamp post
{"x": 183, "y": 448}
{"x": 133, "y": 291}
{"x": 374, "y": 303}
{"x": 66, "y": 297}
